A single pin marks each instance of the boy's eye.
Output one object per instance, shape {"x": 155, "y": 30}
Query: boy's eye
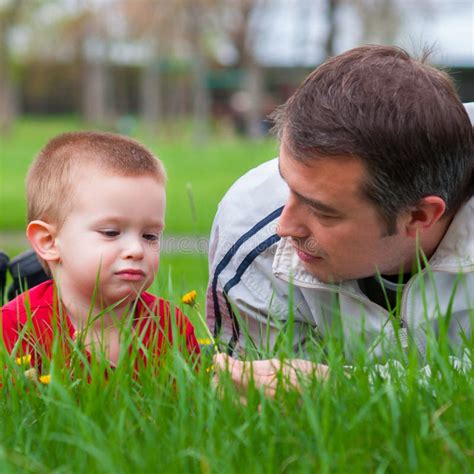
{"x": 151, "y": 237}
{"x": 109, "y": 233}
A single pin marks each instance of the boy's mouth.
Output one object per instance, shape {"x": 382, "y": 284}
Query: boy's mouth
{"x": 131, "y": 274}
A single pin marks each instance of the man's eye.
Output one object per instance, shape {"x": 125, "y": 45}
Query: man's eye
{"x": 109, "y": 233}
{"x": 322, "y": 216}
{"x": 151, "y": 237}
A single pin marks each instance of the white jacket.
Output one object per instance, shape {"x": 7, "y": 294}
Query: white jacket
{"x": 255, "y": 274}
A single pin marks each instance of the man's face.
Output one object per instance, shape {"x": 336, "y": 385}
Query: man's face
{"x": 113, "y": 231}
{"x": 336, "y": 232}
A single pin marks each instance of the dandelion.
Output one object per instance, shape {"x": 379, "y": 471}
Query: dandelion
{"x": 24, "y": 361}
{"x": 190, "y": 298}
{"x": 45, "y": 379}
{"x": 204, "y": 341}
{"x": 31, "y": 374}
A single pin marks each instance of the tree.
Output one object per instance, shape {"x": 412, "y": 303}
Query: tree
{"x": 240, "y": 22}
{"x": 380, "y": 20}
{"x": 93, "y": 58}
{"x": 331, "y": 9}
{"x": 9, "y": 14}
{"x": 197, "y": 14}
{"x": 146, "y": 22}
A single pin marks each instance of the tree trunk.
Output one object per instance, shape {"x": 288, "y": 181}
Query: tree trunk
{"x": 94, "y": 92}
{"x": 8, "y": 108}
{"x": 199, "y": 89}
{"x": 151, "y": 103}
{"x": 201, "y": 99}
{"x": 94, "y": 74}
{"x": 254, "y": 87}
{"x": 332, "y": 27}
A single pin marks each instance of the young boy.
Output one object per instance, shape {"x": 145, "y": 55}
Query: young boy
{"x": 96, "y": 209}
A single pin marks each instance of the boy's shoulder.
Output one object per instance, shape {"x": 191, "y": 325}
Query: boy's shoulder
{"x": 30, "y": 302}
{"x": 37, "y": 304}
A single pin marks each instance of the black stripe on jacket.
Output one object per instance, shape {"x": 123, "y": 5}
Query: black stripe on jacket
{"x": 249, "y": 258}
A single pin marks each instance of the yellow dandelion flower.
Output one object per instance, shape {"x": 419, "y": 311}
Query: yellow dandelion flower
{"x": 23, "y": 361}
{"x": 31, "y": 374}
{"x": 189, "y": 298}
{"x": 45, "y": 379}
{"x": 205, "y": 341}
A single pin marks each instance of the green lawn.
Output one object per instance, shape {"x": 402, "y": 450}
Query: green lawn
{"x": 204, "y": 172}
{"x": 172, "y": 418}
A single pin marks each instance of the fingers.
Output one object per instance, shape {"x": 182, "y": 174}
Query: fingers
{"x": 268, "y": 374}
{"x": 261, "y": 373}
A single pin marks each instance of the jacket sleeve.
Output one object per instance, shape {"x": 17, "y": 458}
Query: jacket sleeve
{"x": 220, "y": 318}
{"x": 245, "y": 304}
{"x": 244, "y": 298}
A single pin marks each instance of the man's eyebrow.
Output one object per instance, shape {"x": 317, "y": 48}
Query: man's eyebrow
{"x": 314, "y": 203}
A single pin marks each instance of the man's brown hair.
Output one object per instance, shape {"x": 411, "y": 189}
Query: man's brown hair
{"x": 400, "y": 116}
{"x": 50, "y": 181}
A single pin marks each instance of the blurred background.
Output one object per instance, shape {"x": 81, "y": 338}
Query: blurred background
{"x": 194, "y": 80}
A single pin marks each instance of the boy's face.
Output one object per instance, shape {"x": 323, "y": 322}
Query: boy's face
{"x": 114, "y": 228}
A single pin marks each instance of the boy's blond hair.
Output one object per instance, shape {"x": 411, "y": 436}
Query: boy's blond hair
{"x": 50, "y": 180}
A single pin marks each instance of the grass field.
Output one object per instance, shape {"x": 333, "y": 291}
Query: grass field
{"x": 204, "y": 173}
{"x": 172, "y": 417}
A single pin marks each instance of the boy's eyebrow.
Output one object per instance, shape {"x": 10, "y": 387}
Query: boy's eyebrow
{"x": 314, "y": 203}
{"x": 113, "y": 219}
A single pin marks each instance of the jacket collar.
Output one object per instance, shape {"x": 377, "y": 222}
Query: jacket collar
{"x": 455, "y": 253}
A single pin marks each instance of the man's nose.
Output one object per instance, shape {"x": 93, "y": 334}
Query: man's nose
{"x": 133, "y": 248}
{"x": 292, "y": 221}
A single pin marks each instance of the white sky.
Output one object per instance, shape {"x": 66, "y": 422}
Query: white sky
{"x": 291, "y": 32}
{"x": 291, "y": 35}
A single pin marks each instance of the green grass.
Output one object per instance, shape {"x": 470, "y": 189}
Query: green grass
{"x": 203, "y": 172}
{"x": 173, "y": 419}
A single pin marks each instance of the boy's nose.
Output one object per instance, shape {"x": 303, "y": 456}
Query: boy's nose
{"x": 133, "y": 249}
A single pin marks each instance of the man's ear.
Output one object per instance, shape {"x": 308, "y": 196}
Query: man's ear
{"x": 425, "y": 215}
{"x": 42, "y": 237}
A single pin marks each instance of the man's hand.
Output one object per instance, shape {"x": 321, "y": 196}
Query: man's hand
{"x": 267, "y": 374}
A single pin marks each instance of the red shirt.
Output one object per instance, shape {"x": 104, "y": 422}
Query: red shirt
{"x": 152, "y": 324}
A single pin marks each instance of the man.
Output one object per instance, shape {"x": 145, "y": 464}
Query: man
{"x": 374, "y": 179}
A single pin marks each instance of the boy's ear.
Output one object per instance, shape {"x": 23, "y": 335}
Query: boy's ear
{"x": 421, "y": 218}
{"x": 42, "y": 237}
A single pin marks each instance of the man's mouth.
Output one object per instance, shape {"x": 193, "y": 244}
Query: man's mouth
{"x": 131, "y": 274}
{"x": 306, "y": 256}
